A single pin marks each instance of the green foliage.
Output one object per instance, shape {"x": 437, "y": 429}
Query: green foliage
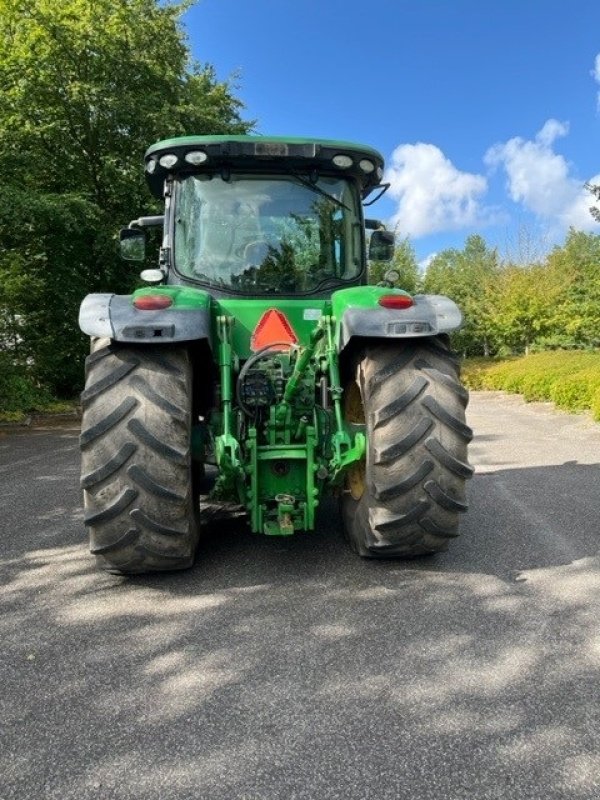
{"x": 88, "y": 85}
{"x": 594, "y": 189}
{"x": 522, "y": 308}
{"x": 55, "y": 249}
{"x": 575, "y": 391}
{"x": 570, "y": 379}
{"x": 577, "y": 263}
{"x": 18, "y": 391}
{"x": 524, "y": 305}
{"x": 85, "y": 88}
{"x": 469, "y": 277}
{"x": 404, "y": 263}
{"x": 595, "y": 405}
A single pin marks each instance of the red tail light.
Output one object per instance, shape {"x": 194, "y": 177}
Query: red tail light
{"x": 396, "y": 301}
{"x": 152, "y": 302}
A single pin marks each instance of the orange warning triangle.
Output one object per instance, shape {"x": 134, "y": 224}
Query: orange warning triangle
{"x": 273, "y": 329}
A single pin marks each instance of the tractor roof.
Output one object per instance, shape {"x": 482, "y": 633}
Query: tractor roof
{"x": 261, "y": 154}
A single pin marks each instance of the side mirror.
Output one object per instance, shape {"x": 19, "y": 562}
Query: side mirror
{"x": 133, "y": 244}
{"x": 381, "y": 246}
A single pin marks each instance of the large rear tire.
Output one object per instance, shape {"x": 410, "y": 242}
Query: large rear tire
{"x": 139, "y": 481}
{"x": 405, "y": 498}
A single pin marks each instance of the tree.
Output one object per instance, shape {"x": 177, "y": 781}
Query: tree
{"x": 468, "y": 276}
{"x": 577, "y": 263}
{"x": 595, "y": 190}
{"x": 527, "y": 306}
{"x": 51, "y": 246}
{"x": 88, "y": 85}
{"x": 404, "y": 263}
{"x": 85, "y": 87}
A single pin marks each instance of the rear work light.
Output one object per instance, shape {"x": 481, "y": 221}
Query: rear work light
{"x": 396, "y": 301}
{"x": 152, "y": 302}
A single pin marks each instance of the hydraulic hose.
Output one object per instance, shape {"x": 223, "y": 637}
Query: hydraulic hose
{"x": 250, "y": 363}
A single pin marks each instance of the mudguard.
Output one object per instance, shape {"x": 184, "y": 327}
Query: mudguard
{"x": 429, "y": 316}
{"x": 115, "y": 317}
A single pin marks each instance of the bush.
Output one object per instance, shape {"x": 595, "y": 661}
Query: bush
{"x": 595, "y": 405}
{"x": 577, "y": 391}
{"x": 571, "y": 379}
{"x": 18, "y": 391}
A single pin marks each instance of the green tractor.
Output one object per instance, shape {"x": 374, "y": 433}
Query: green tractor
{"x": 256, "y": 346}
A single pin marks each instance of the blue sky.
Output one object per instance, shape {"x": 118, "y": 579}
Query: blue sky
{"x": 487, "y": 113}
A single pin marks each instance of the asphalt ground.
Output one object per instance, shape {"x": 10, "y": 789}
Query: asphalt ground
{"x": 290, "y": 668}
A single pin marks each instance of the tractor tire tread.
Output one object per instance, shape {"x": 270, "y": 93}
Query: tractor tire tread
{"x": 109, "y": 468}
{"x": 397, "y": 406}
{"x": 150, "y": 484}
{"x": 416, "y": 464}
{"x": 405, "y": 485}
{"x": 152, "y": 442}
{"x": 140, "y": 494}
{"x": 105, "y": 424}
{"x": 107, "y": 381}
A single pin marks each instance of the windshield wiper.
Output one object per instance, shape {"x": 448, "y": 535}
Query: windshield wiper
{"x": 317, "y": 190}
{"x": 202, "y": 277}
{"x": 325, "y": 282}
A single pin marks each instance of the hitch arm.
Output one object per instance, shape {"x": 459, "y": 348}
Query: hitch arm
{"x": 299, "y": 369}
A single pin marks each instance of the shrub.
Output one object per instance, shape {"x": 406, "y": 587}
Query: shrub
{"x": 571, "y": 379}
{"x": 18, "y": 391}
{"x": 576, "y": 392}
{"x": 595, "y": 405}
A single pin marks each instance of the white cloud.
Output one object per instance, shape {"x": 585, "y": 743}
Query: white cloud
{"x": 540, "y": 179}
{"x": 424, "y": 264}
{"x": 596, "y": 71}
{"x": 578, "y": 214}
{"x": 596, "y": 75}
{"x": 432, "y": 194}
{"x": 551, "y": 129}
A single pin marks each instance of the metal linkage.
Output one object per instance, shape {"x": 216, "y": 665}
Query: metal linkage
{"x": 227, "y": 447}
{"x": 348, "y": 445}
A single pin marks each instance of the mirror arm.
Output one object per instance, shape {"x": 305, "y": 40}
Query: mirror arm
{"x": 384, "y": 187}
{"x": 147, "y": 222}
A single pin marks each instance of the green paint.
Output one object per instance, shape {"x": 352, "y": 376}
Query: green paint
{"x": 281, "y": 457}
{"x": 189, "y": 142}
{"x": 280, "y": 467}
{"x": 360, "y": 297}
{"x": 303, "y": 316}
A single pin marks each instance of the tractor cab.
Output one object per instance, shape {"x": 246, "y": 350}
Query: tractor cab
{"x": 250, "y": 216}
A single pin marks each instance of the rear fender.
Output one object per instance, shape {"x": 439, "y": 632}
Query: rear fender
{"x": 430, "y": 315}
{"x": 114, "y": 316}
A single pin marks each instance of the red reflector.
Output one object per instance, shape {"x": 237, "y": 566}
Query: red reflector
{"x": 152, "y": 302}
{"x": 396, "y": 301}
{"x": 273, "y": 329}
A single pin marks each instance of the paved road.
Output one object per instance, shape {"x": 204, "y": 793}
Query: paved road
{"x": 290, "y": 668}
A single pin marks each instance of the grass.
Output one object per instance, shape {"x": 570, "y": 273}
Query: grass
{"x": 570, "y": 379}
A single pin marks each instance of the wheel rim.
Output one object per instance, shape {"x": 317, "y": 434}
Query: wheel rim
{"x": 354, "y": 412}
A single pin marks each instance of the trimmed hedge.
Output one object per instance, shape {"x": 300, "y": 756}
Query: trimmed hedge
{"x": 571, "y": 379}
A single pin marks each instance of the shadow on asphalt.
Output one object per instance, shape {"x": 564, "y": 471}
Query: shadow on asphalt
{"x": 519, "y": 519}
{"x": 289, "y": 667}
